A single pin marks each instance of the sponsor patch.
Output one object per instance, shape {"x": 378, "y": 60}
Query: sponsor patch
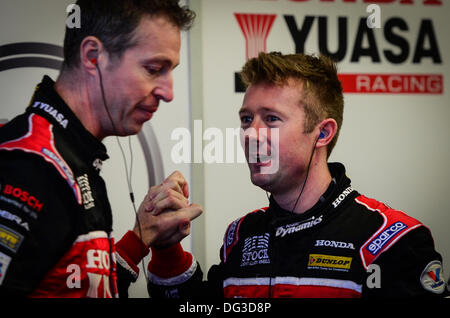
{"x": 86, "y": 192}
{"x": 14, "y": 218}
{"x": 432, "y": 278}
{"x": 59, "y": 117}
{"x": 298, "y": 226}
{"x": 342, "y": 196}
{"x": 22, "y": 195}
{"x": 4, "y": 263}
{"x": 19, "y": 206}
{"x": 230, "y": 238}
{"x": 335, "y": 244}
{"x": 230, "y": 235}
{"x": 10, "y": 239}
{"x": 255, "y": 250}
{"x": 384, "y": 237}
{"x": 329, "y": 262}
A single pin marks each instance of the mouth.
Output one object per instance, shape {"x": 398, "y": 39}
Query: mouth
{"x": 259, "y": 159}
{"x": 147, "y": 111}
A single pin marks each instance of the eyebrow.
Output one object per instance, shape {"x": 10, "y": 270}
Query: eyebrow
{"x": 266, "y": 109}
{"x": 161, "y": 60}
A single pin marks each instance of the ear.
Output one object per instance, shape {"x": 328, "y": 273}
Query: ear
{"x": 329, "y": 128}
{"x": 91, "y": 49}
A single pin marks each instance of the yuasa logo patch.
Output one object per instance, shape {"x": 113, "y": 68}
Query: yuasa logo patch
{"x": 52, "y": 112}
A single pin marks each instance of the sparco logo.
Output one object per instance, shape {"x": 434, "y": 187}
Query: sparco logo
{"x": 342, "y": 196}
{"x": 384, "y": 237}
{"x": 255, "y": 250}
{"x": 335, "y": 244}
{"x": 298, "y": 226}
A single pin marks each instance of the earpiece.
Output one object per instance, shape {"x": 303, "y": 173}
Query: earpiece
{"x": 323, "y": 134}
{"x": 93, "y": 56}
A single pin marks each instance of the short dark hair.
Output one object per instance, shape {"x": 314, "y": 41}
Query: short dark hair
{"x": 114, "y": 21}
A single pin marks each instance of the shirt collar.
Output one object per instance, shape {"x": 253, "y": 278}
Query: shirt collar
{"x": 47, "y": 103}
{"x": 338, "y": 184}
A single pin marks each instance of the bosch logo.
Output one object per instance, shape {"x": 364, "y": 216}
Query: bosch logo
{"x": 384, "y": 237}
{"x": 23, "y": 196}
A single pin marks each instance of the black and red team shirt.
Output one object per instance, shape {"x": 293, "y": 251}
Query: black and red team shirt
{"x": 347, "y": 245}
{"x": 55, "y": 217}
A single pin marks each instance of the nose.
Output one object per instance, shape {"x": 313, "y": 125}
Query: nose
{"x": 164, "y": 88}
{"x": 256, "y": 135}
{"x": 258, "y": 130}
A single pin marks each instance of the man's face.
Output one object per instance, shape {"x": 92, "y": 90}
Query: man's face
{"x": 276, "y": 107}
{"x": 136, "y": 83}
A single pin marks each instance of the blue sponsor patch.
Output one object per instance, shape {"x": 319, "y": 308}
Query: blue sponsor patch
{"x": 384, "y": 237}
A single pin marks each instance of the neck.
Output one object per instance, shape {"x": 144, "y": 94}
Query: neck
{"x": 318, "y": 180}
{"x": 75, "y": 93}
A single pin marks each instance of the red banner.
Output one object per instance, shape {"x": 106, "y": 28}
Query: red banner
{"x": 392, "y": 83}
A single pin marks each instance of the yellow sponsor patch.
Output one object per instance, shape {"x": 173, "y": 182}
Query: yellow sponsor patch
{"x": 9, "y": 238}
{"x": 329, "y": 262}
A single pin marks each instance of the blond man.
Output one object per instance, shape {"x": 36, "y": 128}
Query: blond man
{"x": 319, "y": 237}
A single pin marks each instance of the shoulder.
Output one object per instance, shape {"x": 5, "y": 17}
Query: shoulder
{"x": 231, "y": 236}
{"x": 394, "y": 225}
{"x": 28, "y": 147}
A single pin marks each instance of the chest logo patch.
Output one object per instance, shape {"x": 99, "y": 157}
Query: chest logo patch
{"x": 255, "y": 250}
{"x": 329, "y": 262}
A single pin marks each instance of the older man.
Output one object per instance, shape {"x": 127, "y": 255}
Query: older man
{"x": 56, "y": 221}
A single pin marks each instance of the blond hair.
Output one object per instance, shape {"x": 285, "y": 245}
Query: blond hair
{"x": 322, "y": 88}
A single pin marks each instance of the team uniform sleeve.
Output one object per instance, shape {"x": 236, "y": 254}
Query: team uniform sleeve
{"x": 36, "y": 226}
{"x": 130, "y": 250}
{"x": 174, "y": 273}
{"x": 410, "y": 268}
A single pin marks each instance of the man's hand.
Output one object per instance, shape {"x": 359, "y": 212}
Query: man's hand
{"x": 172, "y": 194}
{"x": 165, "y": 213}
